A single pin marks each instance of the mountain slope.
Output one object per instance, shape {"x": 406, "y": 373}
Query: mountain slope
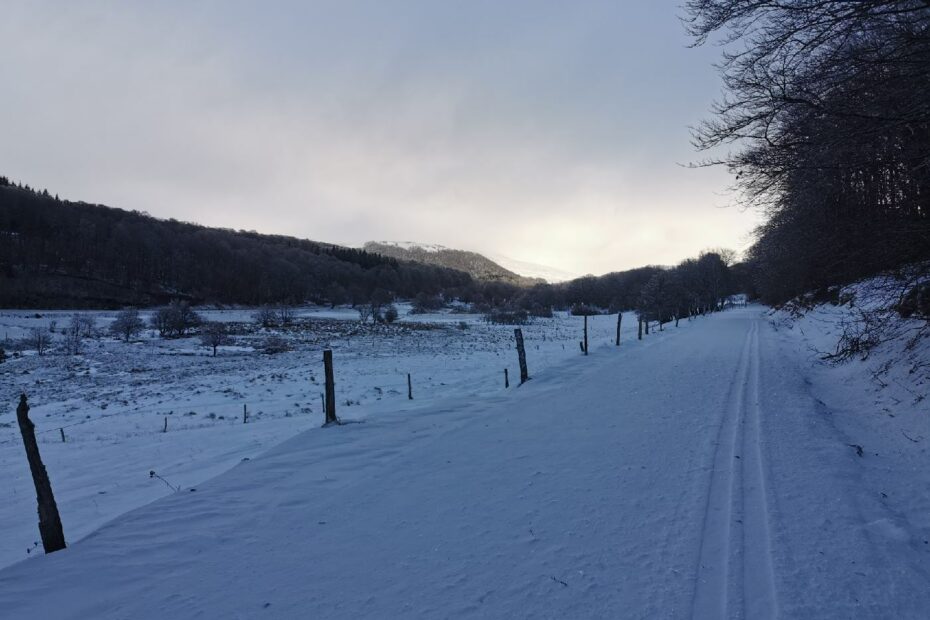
{"x": 56, "y": 253}
{"x": 477, "y": 265}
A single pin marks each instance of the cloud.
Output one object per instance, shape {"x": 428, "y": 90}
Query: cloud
{"x": 549, "y": 132}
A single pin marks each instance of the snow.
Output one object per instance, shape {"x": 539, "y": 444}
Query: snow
{"x": 706, "y": 472}
{"x": 413, "y": 245}
{"x": 112, "y": 401}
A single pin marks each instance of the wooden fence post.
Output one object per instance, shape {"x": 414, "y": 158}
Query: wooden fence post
{"x": 165, "y": 429}
{"x": 619, "y": 320}
{"x": 521, "y": 353}
{"x": 409, "y": 388}
{"x": 506, "y": 379}
{"x": 330, "y": 388}
{"x": 245, "y": 414}
{"x": 586, "y": 334}
{"x": 62, "y": 431}
{"x": 53, "y": 536}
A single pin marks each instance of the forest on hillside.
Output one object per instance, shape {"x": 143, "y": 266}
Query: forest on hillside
{"x": 826, "y": 120}
{"x": 58, "y": 253}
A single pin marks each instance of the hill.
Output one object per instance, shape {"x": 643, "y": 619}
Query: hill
{"x": 57, "y": 253}
{"x": 476, "y": 265}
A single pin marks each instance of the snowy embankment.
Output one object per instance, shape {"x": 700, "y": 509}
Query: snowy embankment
{"x": 111, "y": 401}
{"x": 702, "y": 472}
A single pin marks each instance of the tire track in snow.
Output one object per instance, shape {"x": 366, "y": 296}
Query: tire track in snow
{"x": 735, "y": 545}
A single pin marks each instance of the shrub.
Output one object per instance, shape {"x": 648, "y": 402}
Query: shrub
{"x": 175, "y": 320}
{"x": 543, "y": 312}
{"x": 584, "y": 310}
{"x": 38, "y": 339}
{"x": 214, "y": 334}
{"x": 127, "y": 324}
{"x": 275, "y": 344}
{"x": 390, "y": 314}
{"x": 266, "y": 316}
{"x": 424, "y": 303}
{"x": 916, "y": 302}
{"x": 500, "y": 316}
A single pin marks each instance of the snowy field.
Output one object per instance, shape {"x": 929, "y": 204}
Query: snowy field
{"x": 111, "y": 401}
{"x": 722, "y": 469}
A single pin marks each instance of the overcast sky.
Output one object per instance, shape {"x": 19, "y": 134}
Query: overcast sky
{"x": 551, "y": 132}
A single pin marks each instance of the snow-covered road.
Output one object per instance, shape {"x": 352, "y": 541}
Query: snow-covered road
{"x": 693, "y": 474}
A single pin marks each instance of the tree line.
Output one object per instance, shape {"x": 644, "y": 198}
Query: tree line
{"x": 826, "y": 120}
{"x": 61, "y": 253}
{"x": 73, "y": 254}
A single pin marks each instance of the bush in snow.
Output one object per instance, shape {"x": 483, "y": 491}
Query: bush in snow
{"x": 286, "y": 315}
{"x": 380, "y": 298}
{"x": 214, "y": 334}
{"x": 275, "y": 344}
{"x": 266, "y": 316}
{"x": 72, "y": 343}
{"x": 424, "y": 303}
{"x": 390, "y": 314}
{"x": 503, "y": 316}
{"x": 38, "y": 339}
{"x": 127, "y": 324}
{"x": 915, "y": 302}
{"x": 175, "y": 320}
{"x": 84, "y": 324}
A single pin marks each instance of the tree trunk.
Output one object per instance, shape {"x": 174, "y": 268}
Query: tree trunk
{"x": 619, "y": 320}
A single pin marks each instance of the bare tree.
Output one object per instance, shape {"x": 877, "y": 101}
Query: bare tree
{"x": 127, "y": 324}
{"x": 175, "y": 320}
{"x": 266, "y": 316}
{"x": 38, "y": 339}
{"x": 214, "y": 334}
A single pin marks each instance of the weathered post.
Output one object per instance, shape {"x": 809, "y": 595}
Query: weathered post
{"x": 506, "y": 379}
{"x": 586, "y": 334}
{"x": 330, "y": 388}
{"x": 639, "y": 329}
{"x": 619, "y": 321}
{"x": 53, "y": 536}
{"x": 521, "y": 353}
{"x": 245, "y": 414}
{"x": 409, "y": 388}
{"x": 165, "y": 429}
{"x": 62, "y": 431}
